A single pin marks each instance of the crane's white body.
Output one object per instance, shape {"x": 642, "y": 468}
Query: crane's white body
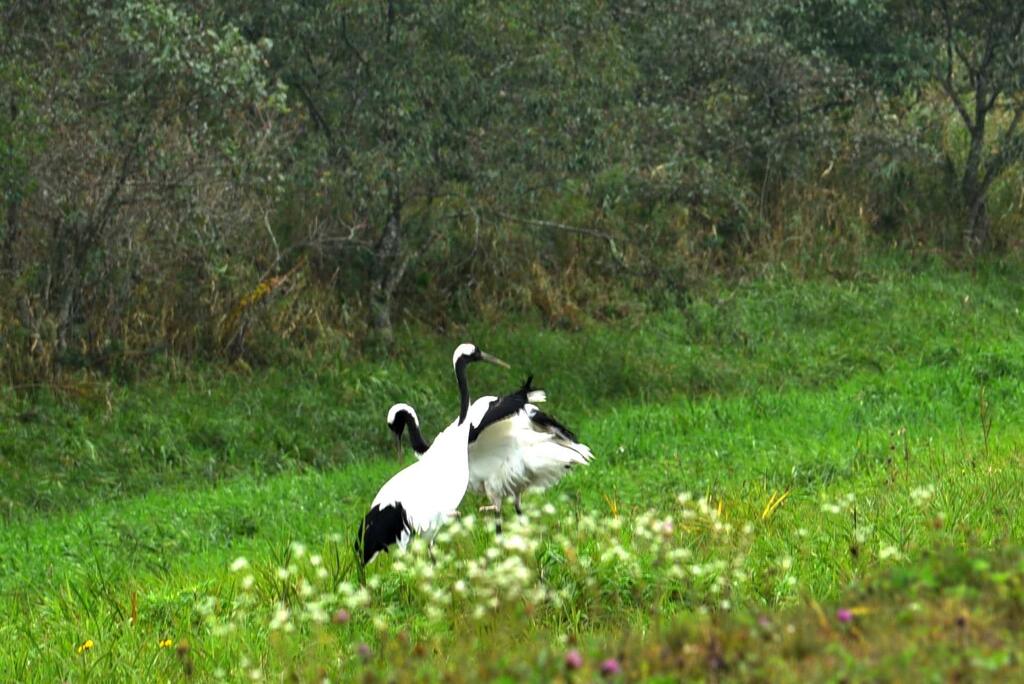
{"x": 422, "y": 497}
{"x": 431, "y": 489}
{"x": 517, "y": 454}
{"x": 525, "y": 449}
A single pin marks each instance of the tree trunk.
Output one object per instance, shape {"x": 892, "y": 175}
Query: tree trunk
{"x": 380, "y": 315}
{"x": 388, "y": 271}
{"x": 13, "y": 202}
{"x": 973, "y": 190}
{"x": 976, "y": 237}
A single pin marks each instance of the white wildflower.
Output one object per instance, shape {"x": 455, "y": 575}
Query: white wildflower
{"x": 280, "y": 618}
{"x": 207, "y": 605}
{"x": 887, "y": 552}
{"x": 920, "y": 495}
{"x": 514, "y": 542}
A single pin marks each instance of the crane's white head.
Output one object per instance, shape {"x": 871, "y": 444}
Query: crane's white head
{"x": 467, "y": 352}
{"x": 398, "y": 414}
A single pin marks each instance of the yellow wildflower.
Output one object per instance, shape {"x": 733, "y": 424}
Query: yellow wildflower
{"x": 86, "y": 646}
{"x": 166, "y": 643}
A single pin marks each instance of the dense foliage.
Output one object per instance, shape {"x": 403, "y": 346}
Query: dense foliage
{"x": 209, "y": 178}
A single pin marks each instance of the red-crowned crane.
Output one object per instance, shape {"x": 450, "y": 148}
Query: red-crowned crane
{"x": 513, "y": 447}
{"x": 420, "y": 498}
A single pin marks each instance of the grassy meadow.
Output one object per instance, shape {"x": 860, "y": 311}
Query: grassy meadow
{"x": 794, "y": 479}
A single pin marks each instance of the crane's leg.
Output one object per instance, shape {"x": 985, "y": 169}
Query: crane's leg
{"x": 430, "y": 552}
{"x": 496, "y": 505}
{"x": 519, "y": 506}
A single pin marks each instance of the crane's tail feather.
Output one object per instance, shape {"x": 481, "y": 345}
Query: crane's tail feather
{"x": 533, "y": 395}
{"x": 382, "y": 527}
{"x": 555, "y": 458}
{"x": 537, "y": 396}
{"x": 582, "y": 449}
{"x": 545, "y": 423}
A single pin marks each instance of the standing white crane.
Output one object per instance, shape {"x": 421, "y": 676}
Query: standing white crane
{"x": 513, "y": 447}
{"x": 420, "y": 498}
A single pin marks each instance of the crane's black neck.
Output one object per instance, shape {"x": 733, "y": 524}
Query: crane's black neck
{"x": 415, "y": 437}
{"x": 460, "y": 375}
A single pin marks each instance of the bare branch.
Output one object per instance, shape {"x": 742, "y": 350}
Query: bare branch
{"x": 990, "y": 102}
{"x": 355, "y": 51}
{"x": 314, "y": 111}
{"x": 122, "y": 178}
{"x": 1007, "y": 149}
{"x": 947, "y": 82}
{"x": 556, "y": 226}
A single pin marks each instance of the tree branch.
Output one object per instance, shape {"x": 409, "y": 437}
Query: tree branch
{"x": 539, "y": 223}
{"x": 947, "y": 80}
{"x": 314, "y": 111}
{"x": 355, "y": 51}
{"x": 1007, "y": 149}
{"x": 554, "y": 225}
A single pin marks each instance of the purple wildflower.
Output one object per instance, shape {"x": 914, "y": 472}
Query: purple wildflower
{"x": 573, "y": 660}
{"x": 610, "y": 667}
{"x": 844, "y": 615}
{"x": 364, "y": 651}
{"x": 341, "y": 617}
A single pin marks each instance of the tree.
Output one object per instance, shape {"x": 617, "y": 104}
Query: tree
{"x": 415, "y": 113}
{"x": 727, "y": 108}
{"x": 971, "y": 51}
{"x": 978, "y": 60}
{"x": 123, "y": 121}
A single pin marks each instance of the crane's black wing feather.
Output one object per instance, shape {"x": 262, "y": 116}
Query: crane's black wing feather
{"x": 502, "y": 408}
{"x": 549, "y": 424}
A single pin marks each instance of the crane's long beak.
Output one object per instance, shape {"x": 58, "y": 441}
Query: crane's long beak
{"x": 484, "y": 356}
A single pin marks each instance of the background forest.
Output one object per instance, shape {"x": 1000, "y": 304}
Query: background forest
{"x": 764, "y": 258}
{"x": 230, "y": 179}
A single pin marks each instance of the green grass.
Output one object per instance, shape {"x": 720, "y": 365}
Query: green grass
{"x": 889, "y": 408}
